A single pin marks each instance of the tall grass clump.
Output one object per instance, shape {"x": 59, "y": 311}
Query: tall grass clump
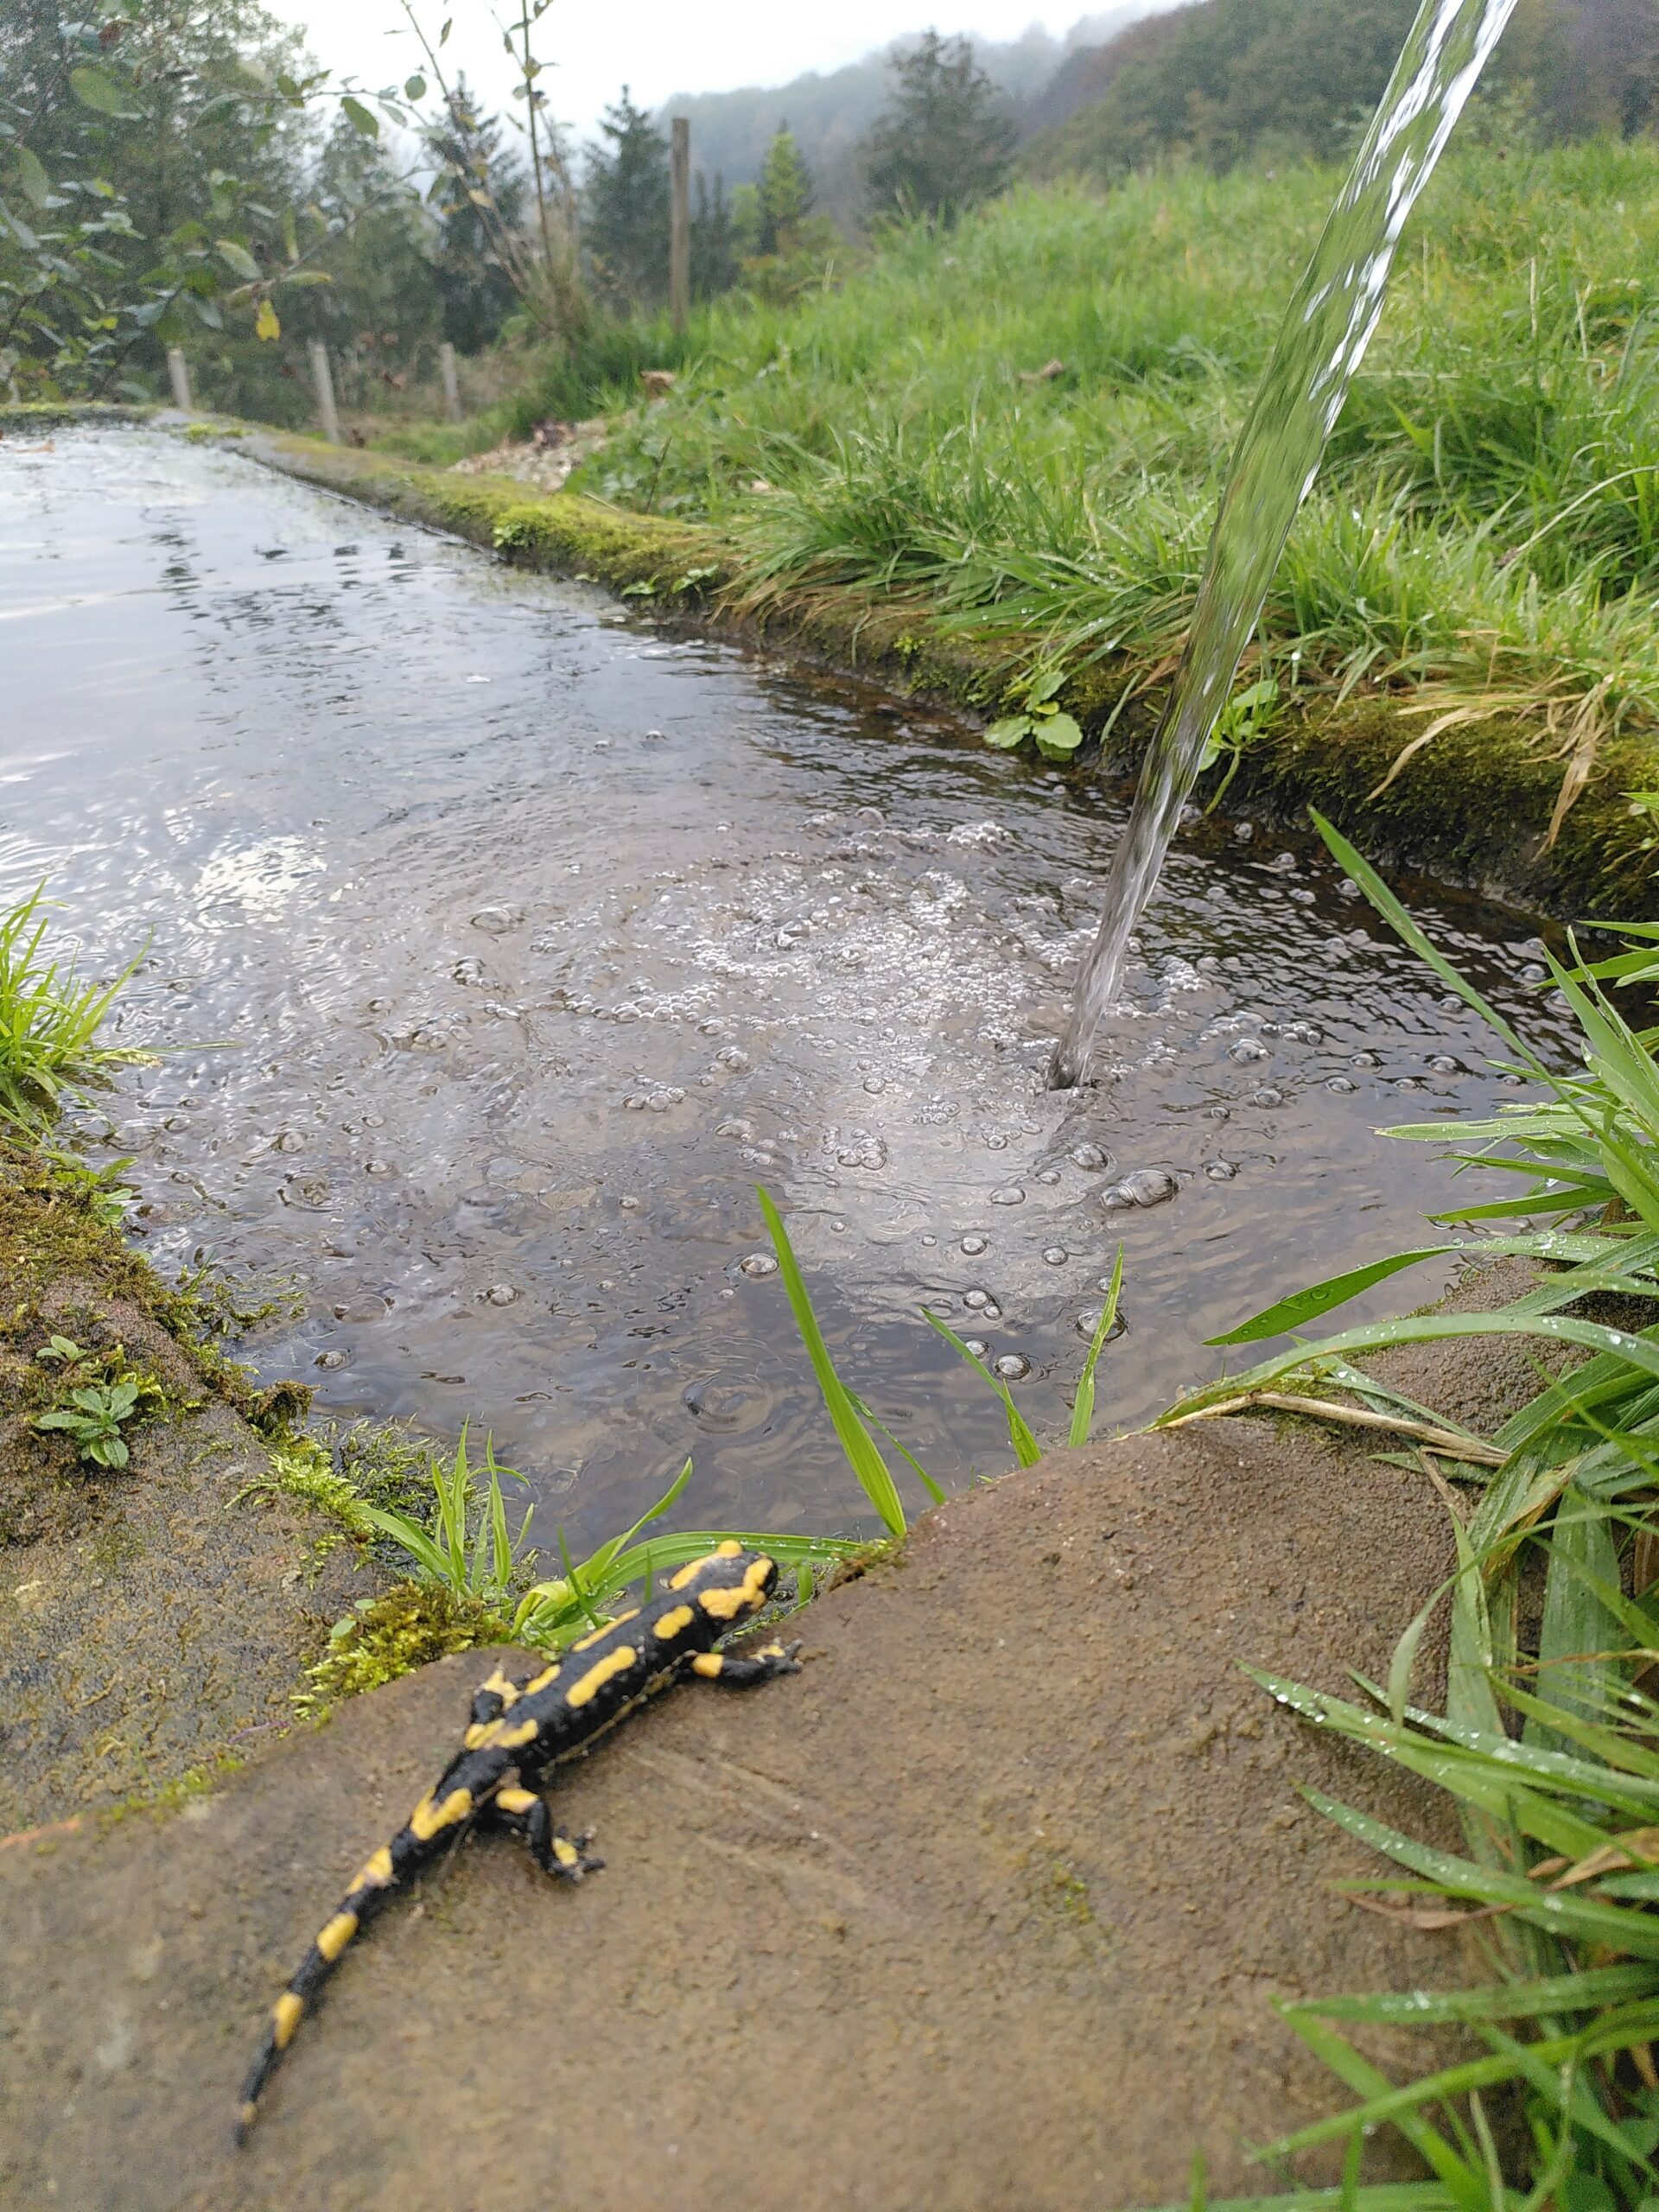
{"x": 1549, "y": 1744}
{"x": 1021, "y": 424}
{"x": 50, "y": 1024}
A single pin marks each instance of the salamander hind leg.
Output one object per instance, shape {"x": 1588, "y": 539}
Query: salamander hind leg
{"x": 523, "y": 1812}
{"x": 738, "y": 1669}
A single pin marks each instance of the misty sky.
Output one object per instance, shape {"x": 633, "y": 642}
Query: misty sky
{"x": 658, "y": 49}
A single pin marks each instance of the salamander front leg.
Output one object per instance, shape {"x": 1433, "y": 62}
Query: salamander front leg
{"x": 738, "y": 1669}
{"x": 523, "y": 1812}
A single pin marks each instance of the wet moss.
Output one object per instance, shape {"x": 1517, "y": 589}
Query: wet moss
{"x": 1474, "y": 804}
{"x": 414, "y": 1624}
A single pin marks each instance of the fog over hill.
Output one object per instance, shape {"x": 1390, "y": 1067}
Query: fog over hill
{"x": 829, "y": 113}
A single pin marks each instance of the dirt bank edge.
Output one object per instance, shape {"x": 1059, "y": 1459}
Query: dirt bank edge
{"x": 155, "y": 1617}
{"x": 1474, "y": 805}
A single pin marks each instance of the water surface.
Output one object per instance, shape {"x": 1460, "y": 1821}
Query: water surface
{"x": 502, "y": 945}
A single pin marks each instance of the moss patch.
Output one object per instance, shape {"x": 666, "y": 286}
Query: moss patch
{"x": 1474, "y": 804}
{"x": 414, "y": 1624}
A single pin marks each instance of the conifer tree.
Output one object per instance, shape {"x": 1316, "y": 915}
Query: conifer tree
{"x": 947, "y": 139}
{"x": 624, "y": 207}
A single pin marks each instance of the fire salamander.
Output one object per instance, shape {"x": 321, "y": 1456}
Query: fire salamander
{"x": 518, "y": 1730}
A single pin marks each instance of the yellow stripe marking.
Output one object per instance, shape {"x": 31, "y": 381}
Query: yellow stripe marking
{"x": 510, "y": 1739}
{"x": 375, "y": 1872}
{"x": 540, "y": 1681}
{"x": 710, "y": 1663}
{"x": 675, "y": 1623}
{"x": 587, "y": 1642}
{"x": 516, "y": 1801}
{"x": 285, "y": 2017}
{"x": 427, "y": 1819}
{"x": 605, "y": 1670}
{"x": 689, "y": 1571}
{"x": 725, "y": 1604}
{"x": 337, "y": 1935}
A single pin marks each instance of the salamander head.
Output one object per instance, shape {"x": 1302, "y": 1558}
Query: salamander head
{"x": 728, "y": 1584}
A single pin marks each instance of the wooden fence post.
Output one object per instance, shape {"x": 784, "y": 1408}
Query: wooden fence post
{"x": 324, "y": 385}
{"x": 178, "y": 369}
{"x": 451, "y": 385}
{"x": 679, "y": 231}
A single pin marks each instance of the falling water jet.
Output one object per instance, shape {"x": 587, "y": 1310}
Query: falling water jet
{"x": 1323, "y": 338}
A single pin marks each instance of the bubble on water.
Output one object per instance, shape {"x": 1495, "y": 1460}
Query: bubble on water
{"x": 1306, "y": 1033}
{"x": 745, "y": 1132}
{"x": 977, "y": 1345}
{"x": 495, "y": 921}
{"x": 1220, "y": 1170}
{"x": 756, "y": 1264}
{"x": 468, "y": 971}
{"x": 1089, "y": 1156}
{"x": 1512, "y": 1082}
{"x": 1533, "y": 973}
{"x": 929, "y": 1240}
{"x": 875, "y": 1085}
{"x": 658, "y": 1102}
{"x": 376, "y": 1167}
{"x": 1010, "y": 1194}
{"x": 626, "y": 1014}
{"x": 1089, "y": 1321}
{"x": 291, "y": 1141}
{"x": 502, "y": 1293}
{"x": 1268, "y": 1096}
{"x": 1282, "y": 863}
{"x": 1443, "y": 1064}
{"x": 863, "y": 1152}
{"x": 675, "y": 1094}
{"x": 1349, "y": 889}
{"x": 709, "y": 1029}
{"x": 1056, "y": 1255}
{"x": 792, "y": 933}
{"x": 990, "y": 1312}
{"x": 1218, "y": 1113}
{"x": 1342, "y": 1083}
{"x": 1011, "y": 1366}
{"x": 733, "y": 1057}
{"x": 629, "y": 1204}
{"x": 996, "y": 1141}
{"x": 869, "y": 814}
{"x": 330, "y": 1359}
{"x": 1243, "y": 831}
{"x": 976, "y": 1300}
{"x": 1048, "y": 1176}
{"x": 379, "y": 1006}
{"x": 1146, "y": 1186}
{"x": 1247, "y": 1049}
{"x": 1364, "y": 1060}
{"x": 973, "y": 1244}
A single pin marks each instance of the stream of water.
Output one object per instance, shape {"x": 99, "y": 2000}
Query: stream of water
{"x": 499, "y": 944}
{"x": 1321, "y": 342}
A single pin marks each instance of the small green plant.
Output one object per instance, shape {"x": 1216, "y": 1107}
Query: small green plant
{"x": 49, "y": 1024}
{"x": 1058, "y": 733}
{"x": 91, "y": 1417}
{"x": 466, "y": 1546}
{"x": 1241, "y": 721}
{"x": 63, "y": 1348}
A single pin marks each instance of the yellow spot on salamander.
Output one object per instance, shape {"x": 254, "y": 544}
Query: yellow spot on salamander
{"x": 512, "y": 1738}
{"x": 540, "y": 1681}
{"x": 675, "y": 1623}
{"x": 729, "y": 1549}
{"x": 587, "y": 1642}
{"x": 516, "y": 1801}
{"x": 375, "y": 1872}
{"x": 427, "y": 1819}
{"x": 710, "y": 1663}
{"x": 565, "y": 1852}
{"x": 606, "y": 1670}
{"x": 285, "y": 2017}
{"x": 689, "y": 1571}
{"x": 337, "y": 1935}
{"x": 725, "y": 1604}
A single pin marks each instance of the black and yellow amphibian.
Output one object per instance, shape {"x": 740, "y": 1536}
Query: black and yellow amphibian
{"x": 518, "y": 1730}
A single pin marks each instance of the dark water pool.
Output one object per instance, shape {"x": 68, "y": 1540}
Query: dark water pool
{"x": 501, "y": 945}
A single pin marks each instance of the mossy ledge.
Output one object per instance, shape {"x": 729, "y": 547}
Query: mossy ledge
{"x": 1473, "y": 806}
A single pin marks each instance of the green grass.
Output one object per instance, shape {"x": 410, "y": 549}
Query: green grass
{"x": 50, "y": 1022}
{"x": 1487, "y": 532}
{"x": 1549, "y": 1745}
